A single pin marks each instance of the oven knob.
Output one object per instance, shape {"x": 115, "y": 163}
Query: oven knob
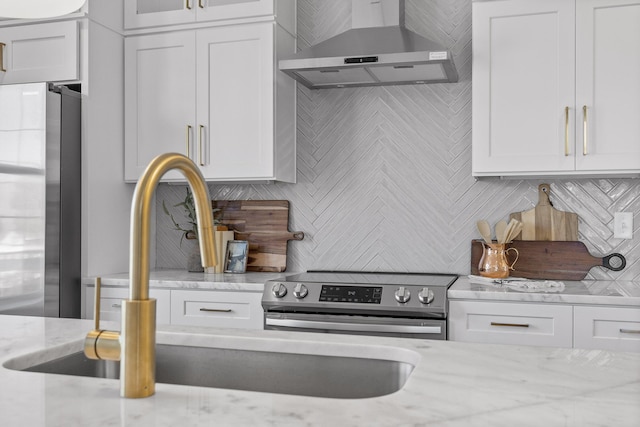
{"x": 300, "y": 291}
{"x": 402, "y": 294}
{"x": 425, "y": 296}
{"x": 279, "y": 290}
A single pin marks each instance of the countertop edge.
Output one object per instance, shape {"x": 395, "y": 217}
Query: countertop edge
{"x": 181, "y": 279}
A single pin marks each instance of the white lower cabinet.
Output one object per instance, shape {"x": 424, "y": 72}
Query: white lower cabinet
{"x": 111, "y": 303}
{"x": 610, "y": 328}
{"x": 556, "y": 325}
{"x": 214, "y": 308}
{"x": 511, "y": 323}
{"x": 220, "y": 309}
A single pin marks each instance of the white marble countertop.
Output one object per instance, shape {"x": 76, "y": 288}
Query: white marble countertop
{"x": 619, "y": 293}
{"x": 623, "y": 293}
{"x": 182, "y": 279}
{"x": 453, "y": 384}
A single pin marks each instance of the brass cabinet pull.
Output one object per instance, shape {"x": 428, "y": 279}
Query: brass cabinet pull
{"x": 584, "y": 130}
{"x": 2, "y": 46}
{"x": 566, "y": 131}
{"x": 188, "y": 4}
{"x": 630, "y": 331}
{"x": 517, "y": 325}
{"x": 217, "y": 310}
{"x": 200, "y": 5}
{"x": 200, "y": 145}
{"x": 188, "y": 139}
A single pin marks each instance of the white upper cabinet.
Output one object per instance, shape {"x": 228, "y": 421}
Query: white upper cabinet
{"x": 147, "y": 13}
{"x": 538, "y": 66}
{"x": 235, "y": 69}
{"x": 212, "y": 91}
{"x": 215, "y": 95}
{"x": 523, "y": 73}
{"x": 39, "y": 52}
{"x": 160, "y": 94}
{"x": 608, "y": 85}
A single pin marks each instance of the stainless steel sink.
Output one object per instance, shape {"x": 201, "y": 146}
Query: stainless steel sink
{"x": 251, "y": 370}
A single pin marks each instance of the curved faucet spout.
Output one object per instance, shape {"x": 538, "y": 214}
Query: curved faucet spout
{"x": 134, "y": 346}
{"x": 141, "y": 217}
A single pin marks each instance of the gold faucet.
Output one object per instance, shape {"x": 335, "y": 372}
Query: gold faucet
{"x": 134, "y": 346}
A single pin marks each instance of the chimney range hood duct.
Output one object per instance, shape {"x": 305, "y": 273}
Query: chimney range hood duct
{"x": 377, "y": 51}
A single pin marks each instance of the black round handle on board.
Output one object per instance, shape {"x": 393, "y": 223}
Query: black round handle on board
{"x": 606, "y": 262}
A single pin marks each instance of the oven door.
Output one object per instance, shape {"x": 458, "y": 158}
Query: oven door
{"x": 435, "y": 329}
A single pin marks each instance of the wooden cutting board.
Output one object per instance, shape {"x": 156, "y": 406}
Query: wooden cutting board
{"x": 544, "y": 222}
{"x": 551, "y": 260}
{"x": 265, "y": 224}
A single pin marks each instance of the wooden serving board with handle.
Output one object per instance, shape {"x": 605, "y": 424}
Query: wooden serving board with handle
{"x": 551, "y": 260}
{"x": 544, "y": 222}
{"x": 264, "y": 223}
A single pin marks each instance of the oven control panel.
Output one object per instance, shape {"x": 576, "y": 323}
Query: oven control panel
{"x": 354, "y": 294}
{"x": 351, "y": 294}
{"x": 413, "y": 300}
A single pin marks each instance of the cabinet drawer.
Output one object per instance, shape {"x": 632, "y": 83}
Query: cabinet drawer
{"x": 217, "y": 308}
{"x": 111, "y": 303}
{"x": 609, "y": 328}
{"x": 511, "y": 323}
{"x": 38, "y": 53}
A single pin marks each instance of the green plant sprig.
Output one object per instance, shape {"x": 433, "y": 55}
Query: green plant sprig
{"x": 190, "y": 228}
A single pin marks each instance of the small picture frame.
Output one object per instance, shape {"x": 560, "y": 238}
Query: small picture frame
{"x": 235, "y": 260}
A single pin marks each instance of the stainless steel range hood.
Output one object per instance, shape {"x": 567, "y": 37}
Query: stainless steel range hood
{"x": 377, "y": 51}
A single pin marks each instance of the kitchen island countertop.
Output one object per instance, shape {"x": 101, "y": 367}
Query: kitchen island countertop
{"x": 453, "y": 384}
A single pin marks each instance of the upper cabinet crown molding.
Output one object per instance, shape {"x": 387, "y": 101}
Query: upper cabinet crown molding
{"x": 555, "y": 88}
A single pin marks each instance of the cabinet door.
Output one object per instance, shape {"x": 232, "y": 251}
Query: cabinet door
{"x": 608, "y": 85}
{"x": 609, "y": 328}
{"x": 523, "y": 81}
{"x": 146, "y": 13}
{"x": 159, "y": 99}
{"x": 511, "y": 323}
{"x": 235, "y": 106}
{"x": 209, "y": 10}
{"x": 37, "y": 53}
{"x": 221, "y": 309}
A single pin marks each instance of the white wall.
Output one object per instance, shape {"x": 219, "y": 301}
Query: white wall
{"x": 106, "y": 198}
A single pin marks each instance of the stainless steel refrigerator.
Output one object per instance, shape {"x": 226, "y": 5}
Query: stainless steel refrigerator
{"x": 40, "y": 200}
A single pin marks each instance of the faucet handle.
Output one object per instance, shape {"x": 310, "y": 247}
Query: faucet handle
{"x": 100, "y": 344}
{"x": 96, "y": 303}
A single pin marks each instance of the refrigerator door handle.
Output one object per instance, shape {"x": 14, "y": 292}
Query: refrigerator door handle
{"x": 2, "y": 46}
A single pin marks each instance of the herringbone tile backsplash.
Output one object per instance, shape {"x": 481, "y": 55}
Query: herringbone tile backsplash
{"x": 384, "y": 173}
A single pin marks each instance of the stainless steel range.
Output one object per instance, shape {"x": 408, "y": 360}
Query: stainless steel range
{"x": 410, "y": 305}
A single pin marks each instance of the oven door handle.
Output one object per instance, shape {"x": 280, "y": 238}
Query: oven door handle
{"x": 353, "y": 327}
